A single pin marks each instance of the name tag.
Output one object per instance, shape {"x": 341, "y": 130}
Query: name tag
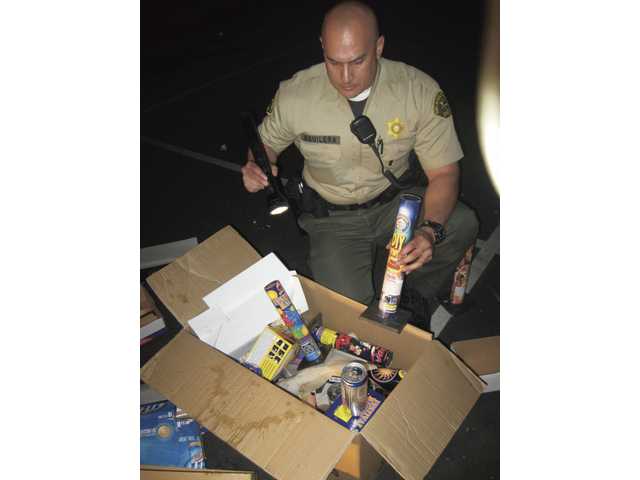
{"x": 326, "y": 139}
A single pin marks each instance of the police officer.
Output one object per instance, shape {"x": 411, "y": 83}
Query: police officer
{"x": 314, "y": 110}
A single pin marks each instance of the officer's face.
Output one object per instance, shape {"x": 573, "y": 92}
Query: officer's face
{"x": 351, "y": 58}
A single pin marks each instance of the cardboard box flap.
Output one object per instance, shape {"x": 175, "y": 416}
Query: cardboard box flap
{"x": 272, "y": 428}
{"x": 417, "y": 421}
{"x": 182, "y": 284}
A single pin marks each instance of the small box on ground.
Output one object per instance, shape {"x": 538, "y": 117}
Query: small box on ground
{"x": 168, "y": 437}
{"x": 283, "y": 435}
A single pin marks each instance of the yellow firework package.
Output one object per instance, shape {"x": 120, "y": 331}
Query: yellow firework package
{"x": 272, "y": 351}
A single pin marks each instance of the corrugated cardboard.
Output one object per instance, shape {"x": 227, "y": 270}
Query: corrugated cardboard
{"x": 482, "y": 355}
{"x": 415, "y": 423}
{"x": 263, "y": 422}
{"x": 151, "y": 472}
{"x": 283, "y": 435}
{"x": 181, "y": 285}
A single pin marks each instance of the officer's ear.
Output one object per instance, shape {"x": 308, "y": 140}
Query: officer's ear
{"x": 379, "y": 45}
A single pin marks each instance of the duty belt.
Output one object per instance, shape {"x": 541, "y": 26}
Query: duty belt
{"x": 383, "y": 198}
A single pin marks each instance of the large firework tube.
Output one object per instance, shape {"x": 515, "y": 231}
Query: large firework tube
{"x": 293, "y": 321}
{"x": 461, "y": 278}
{"x": 379, "y": 356}
{"x": 393, "y": 276}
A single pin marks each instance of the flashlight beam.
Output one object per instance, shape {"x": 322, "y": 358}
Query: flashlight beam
{"x": 191, "y": 154}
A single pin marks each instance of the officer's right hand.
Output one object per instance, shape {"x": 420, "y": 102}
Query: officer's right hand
{"x": 254, "y": 178}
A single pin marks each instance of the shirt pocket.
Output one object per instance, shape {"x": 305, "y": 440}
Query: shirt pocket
{"x": 320, "y": 155}
{"x": 396, "y": 150}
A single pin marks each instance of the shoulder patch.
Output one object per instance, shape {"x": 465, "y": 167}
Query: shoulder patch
{"x": 441, "y": 105}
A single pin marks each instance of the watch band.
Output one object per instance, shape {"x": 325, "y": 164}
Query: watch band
{"x": 438, "y": 230}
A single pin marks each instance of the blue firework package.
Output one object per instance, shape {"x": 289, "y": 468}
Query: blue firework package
{"x": 168, "y": 437}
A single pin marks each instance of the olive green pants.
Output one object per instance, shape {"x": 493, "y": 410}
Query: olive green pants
{"x": 345, "y": 245}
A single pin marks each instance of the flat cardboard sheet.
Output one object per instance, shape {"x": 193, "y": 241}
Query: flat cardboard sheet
{"x": 183, "y": 284}
{"x": 152, "y": 472}
{"x": 417, "y": 421}
{"x": 286, "y": 437}
{"x": 481, "y": 354}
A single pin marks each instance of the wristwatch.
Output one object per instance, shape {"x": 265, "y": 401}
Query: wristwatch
{"x": 438, "y": 230}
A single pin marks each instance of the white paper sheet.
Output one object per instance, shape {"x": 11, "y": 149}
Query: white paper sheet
{"x": 240, "y": 309}
{"x": 208, "y": 324}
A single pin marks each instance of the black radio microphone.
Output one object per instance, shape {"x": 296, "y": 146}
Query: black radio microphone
{"x": 364, "y": 131}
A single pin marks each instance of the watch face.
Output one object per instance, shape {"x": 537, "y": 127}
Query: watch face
{"x": 438, "y": 230}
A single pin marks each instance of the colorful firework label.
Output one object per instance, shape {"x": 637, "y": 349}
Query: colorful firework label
{"x": 292, "y": 319}
{"x": 386, "y": 378}
{"x": 346, "y": 343}
{"x": 394, "y": 276}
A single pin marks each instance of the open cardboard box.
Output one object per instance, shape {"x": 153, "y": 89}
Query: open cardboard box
{"x": 283, "y": 435}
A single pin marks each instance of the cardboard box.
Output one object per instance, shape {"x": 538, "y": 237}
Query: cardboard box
{"x": 283, "y": 435}
{"x": 482, "y": 355}
{"x": 151, "y": 472}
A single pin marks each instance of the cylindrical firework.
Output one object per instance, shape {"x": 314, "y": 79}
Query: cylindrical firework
{"x": 386, "y": 378}
{"x": 393, "y": 276}
{"x": 293, "y": 321}
{"x": 371, "y": 353}
{"x": 461, "y": 278}
{"x": 354, "y": 387}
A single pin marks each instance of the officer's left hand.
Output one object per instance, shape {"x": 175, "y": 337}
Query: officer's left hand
{"x": 418, "y": 251}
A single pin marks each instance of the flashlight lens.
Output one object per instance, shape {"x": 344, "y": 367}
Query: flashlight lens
{"x": 279, "y": 209}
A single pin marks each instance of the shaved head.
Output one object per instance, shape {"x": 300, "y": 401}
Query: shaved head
{"x": 351, "y": 45}
{"x": 349, "y": 15}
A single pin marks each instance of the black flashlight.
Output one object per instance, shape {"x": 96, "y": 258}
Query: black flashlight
{"x": 277, "y": 202}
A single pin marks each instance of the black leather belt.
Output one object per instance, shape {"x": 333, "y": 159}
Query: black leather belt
{"x": 383, "y": 198}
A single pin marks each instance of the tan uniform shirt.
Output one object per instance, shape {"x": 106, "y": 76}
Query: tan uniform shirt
{"x": 406, "y": 106}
